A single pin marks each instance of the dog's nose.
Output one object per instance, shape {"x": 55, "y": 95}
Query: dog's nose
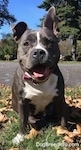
{"x": 39, "y": 54}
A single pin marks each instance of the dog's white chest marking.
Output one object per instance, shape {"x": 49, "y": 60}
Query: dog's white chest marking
{"x": 41, "y": 94}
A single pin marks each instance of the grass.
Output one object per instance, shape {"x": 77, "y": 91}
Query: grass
{"x": 74, "y": 93}
{"x": 9, "y": 128}
{"x": 46, "y": 140}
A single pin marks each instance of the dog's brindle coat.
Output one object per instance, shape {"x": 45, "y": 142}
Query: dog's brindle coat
{"x": 38, "y": 87}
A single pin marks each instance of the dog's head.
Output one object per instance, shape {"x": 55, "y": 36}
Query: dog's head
{"x": 38, "y": 51}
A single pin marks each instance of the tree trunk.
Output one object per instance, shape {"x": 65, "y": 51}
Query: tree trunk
{"x": 74, "y": 46}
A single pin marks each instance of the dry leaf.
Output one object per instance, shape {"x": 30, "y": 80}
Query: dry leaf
{"x": 69, "y": 135}
{"x": 78, "y": 103}
{"x": 2, "y": 109}
{"x": 3, "y": 118}
{"x": 5, "y": 109}
{"x": 78, "y": 126}
{"x": 61, "y": 130}
{"x": 69, "y": 100}
{"x": 68, "y": 139}
{"x": 73, "y": 102}
{"x": 72, "y": 134}
{"x": 33, "y": 133}
{"x": 7, "y": 101}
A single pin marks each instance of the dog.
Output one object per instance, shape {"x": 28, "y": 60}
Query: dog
{"x": 38, "y": 86}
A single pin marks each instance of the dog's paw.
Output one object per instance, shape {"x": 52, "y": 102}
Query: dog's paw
{"x": 19, "y": 138}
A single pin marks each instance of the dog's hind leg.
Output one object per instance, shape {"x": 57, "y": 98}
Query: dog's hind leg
{"x": 65, "y": 115}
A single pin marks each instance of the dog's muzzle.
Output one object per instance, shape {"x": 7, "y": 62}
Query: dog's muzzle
{"x": 39, "y": 54}
{"x": 38, "y": 74}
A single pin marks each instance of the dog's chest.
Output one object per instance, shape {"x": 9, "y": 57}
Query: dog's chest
{"x": 41, "y": 94}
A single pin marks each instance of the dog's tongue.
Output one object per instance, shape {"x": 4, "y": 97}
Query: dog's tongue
{"x": 39, "y": 71}
{"x": 37, "y": 75}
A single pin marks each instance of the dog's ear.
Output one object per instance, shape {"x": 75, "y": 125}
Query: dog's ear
{"x": 18, "y": 30}
{"x": 50, "y": 20}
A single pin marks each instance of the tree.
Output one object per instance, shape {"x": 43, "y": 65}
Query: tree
{"x": 69, "y": 14}
{"x": 5, "y": 16}
{"x": 8, "y": 47}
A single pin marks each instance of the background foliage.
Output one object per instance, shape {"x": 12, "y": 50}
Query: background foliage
{"x": 69, "y": 15}
{"x": 5, "y": 16}
{"x": 69, "y": 20}
{"x": 8, "y": 48}
{"x": 69, "y": 27}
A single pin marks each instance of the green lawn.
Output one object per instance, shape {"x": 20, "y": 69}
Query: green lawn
{"x": 9, "y": 126}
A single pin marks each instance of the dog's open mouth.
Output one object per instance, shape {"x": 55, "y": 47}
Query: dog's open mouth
{"x": 38, "y": 73}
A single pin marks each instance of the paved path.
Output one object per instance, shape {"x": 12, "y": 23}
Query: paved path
{"x": 71, "y": 73}
{"x": 7, "y": 70}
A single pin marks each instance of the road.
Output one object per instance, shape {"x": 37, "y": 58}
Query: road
{"x": 71, "y": 73}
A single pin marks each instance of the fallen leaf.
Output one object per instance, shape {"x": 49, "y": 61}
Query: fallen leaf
{"x": 78, "y": 126}
{"x": 5, "y": 109}
{"x": 73, "y": 102}
{"x": 33, "y": 133}
{"x": 68, "y": 139}
{"x": 61, "y": 130}
{"x": 2, "y": 109}
{"x": 72, "y": 134}
{"x": 78, "y": 103}
{"x": 3, "y": 118}
{"x": 69, "y": 136}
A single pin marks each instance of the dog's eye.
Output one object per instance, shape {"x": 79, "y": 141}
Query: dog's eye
{"x": 48, "y": 41}
{"x": 26, "y": 43}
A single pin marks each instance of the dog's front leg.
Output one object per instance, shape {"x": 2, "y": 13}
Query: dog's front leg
{"x": 23, "y": 109}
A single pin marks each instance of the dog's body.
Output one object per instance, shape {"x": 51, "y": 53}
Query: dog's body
{"x": 38, "y": 87}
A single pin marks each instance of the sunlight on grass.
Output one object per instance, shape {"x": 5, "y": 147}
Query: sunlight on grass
{"x": 8, "y": 130}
